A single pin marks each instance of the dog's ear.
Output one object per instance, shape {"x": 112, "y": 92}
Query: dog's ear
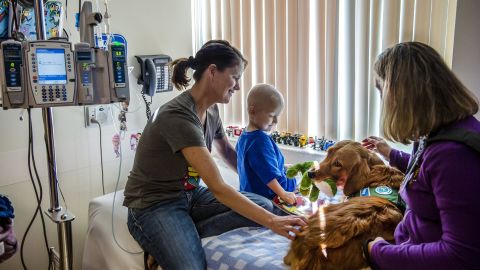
{"x": 358, "y": 177}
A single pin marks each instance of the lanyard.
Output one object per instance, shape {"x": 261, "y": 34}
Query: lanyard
{"x": 412, "y": 168}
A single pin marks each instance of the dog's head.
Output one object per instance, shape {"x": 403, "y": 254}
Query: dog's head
{"x": 334, "y": 235}
{"x": 348, "y": 163}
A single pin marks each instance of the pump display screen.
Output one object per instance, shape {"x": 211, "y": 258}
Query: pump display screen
{"x": 51, "y": 66}
{"x": 84, "y": 56}
{"x": 12, "y": 63}
{"x": 118, "y": 57}
{"x": 11, "y": 53}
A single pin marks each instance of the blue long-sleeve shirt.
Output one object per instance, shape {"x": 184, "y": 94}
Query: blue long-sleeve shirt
{"x": 259, "y": 161}
{"x": 440, "y": 229}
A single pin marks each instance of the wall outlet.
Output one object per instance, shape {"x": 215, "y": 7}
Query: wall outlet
{"x": 89, "y": 113}
{"x": 101, "y": 113}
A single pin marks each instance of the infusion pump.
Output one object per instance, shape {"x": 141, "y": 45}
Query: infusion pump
{"x": 12, "y": 89}
{"x": 50, "y": 70}
{"x": 49, "y": 73}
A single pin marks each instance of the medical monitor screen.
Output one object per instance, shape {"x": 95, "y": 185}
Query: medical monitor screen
{"x": 51, "y": 66}
{"x": 84, "y": 56}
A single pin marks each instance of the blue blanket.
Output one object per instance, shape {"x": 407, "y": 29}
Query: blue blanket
{"x": 248, "y": 249}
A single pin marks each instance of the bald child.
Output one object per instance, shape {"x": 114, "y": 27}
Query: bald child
{"x": 260, "y": 164}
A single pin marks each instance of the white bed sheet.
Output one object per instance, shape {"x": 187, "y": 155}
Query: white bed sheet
{"x": 100, "y": 250}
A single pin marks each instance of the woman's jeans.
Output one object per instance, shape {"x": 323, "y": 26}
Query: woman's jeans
{"x": 170, "y": 231}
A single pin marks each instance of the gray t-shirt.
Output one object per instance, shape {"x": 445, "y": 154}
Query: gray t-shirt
{"x": 159, "y": 164}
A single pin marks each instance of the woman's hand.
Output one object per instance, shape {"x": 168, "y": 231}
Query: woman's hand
{"x": 287, "y": 226}
{"x": 371, "y": 243}
{"x": 200, "y": 159}
{"x": 378, "y": 145}
{"x": 289, "y": 198}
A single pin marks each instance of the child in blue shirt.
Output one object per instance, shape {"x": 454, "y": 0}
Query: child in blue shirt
{"x": 260, "y": 164}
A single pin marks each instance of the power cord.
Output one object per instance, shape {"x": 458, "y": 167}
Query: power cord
{"x": 93, "y": 120}
{"x": 135, "y": 109}
{"x": 50, "y": 162}
{"x": 38, "y": 193}
{"x": 116, "y": 186}
{"x": 14, "y": 26}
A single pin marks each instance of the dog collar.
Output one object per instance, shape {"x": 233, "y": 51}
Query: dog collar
{"x": 385, "y": 192}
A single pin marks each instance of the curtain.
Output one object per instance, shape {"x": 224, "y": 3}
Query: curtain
{"x": 319, "y": 54}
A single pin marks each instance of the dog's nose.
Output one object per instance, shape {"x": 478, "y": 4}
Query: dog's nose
{"x": 311, "y": 174}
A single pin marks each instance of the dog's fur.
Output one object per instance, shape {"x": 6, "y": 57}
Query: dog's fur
{"x": 347, "y": 225}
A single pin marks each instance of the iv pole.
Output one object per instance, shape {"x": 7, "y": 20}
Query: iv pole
{"x": 62, "y": 217}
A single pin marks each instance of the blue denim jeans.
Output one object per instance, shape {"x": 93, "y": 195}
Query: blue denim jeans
{"x": 170, "y": 231}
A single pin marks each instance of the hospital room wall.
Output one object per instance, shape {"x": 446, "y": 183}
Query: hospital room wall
{"x": 466, "y": 50}
{"x": 150, "y": 27}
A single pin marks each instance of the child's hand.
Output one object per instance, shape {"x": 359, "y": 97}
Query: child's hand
{"x": 289, "y": 198}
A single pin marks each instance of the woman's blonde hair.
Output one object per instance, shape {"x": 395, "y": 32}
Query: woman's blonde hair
{"x": 420, "y": 93}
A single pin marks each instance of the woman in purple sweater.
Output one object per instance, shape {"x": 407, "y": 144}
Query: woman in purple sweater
{"x": 421, "y": 98}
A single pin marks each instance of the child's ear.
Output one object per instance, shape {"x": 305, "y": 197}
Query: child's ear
{"x": 251, "y": 109}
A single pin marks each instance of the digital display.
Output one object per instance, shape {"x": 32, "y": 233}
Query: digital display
{"x": 11, "y": 53}
{"x": 84, "y": 56}
{"x": 118, "y": 57}
{"x": 51, "y": 66}
{"x": 160, "y": 61}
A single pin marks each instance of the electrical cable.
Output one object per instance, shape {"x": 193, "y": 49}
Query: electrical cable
{"x": 49, "y": 161}
{"x": 134, "y": 110}
{"x": 79, "y": 12}
{"x": 40, "y": 186}
{"x": 113, "y": 122}
{"x": 38, "y": 193}
{"x": 93, "y": 120}
{"x": 14, "y": 25}
{"x": 66, "y": 28}
{"x": 66, "y": 33}
{"x": 113, "y": 205}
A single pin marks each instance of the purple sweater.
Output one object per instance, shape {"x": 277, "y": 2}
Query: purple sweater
{"x": 441, "y": 227}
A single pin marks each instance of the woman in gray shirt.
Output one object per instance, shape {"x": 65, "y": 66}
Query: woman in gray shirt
{"x": 168, "y": 210}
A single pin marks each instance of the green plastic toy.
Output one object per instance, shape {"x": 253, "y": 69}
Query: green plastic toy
{"x": 307, "y": 188}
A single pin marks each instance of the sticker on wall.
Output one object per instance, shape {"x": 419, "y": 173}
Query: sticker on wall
{"x": 4, "y": 19}
{"x": 53, "y": 11}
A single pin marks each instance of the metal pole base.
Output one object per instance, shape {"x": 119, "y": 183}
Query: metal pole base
{"x": 64, "y": 219}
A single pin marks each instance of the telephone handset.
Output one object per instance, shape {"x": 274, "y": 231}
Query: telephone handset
{"x": 155, "y": 73}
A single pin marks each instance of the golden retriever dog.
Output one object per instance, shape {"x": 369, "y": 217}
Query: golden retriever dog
{"x": 334, "y": 235}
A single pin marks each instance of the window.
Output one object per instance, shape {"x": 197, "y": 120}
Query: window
{"x": 319, "y": 54}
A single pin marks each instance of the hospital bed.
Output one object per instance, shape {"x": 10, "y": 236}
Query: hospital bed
{"x": 243, "y": 248}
